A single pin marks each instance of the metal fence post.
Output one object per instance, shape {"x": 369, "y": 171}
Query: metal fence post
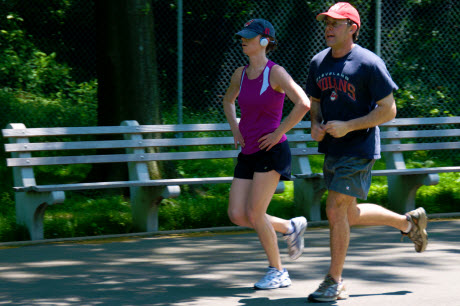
{"x": 179, "y": 60}
{"x": 378, "y": 26}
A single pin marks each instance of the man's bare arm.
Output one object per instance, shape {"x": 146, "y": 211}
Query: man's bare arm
{"x": 384, "y": 112}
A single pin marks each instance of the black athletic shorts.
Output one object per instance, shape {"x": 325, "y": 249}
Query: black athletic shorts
{"x": 277, "y": 158}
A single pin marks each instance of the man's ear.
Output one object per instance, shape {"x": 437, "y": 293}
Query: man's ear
{"x": 354, "y": 28}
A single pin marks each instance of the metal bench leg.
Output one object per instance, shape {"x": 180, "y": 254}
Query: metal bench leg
{"x": 403, "y": 188}
{"x": 145, "y": 202}
{"x": 30, "y": 209}
{"x": 307, "y": 196}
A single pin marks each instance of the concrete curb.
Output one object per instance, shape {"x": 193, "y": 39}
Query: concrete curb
{"x": 311, "y": 224}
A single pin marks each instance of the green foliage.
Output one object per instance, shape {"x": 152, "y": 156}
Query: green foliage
{"x": 9, "y": 230}
{"x": 88, "y": 215}
{"x": 23, "y": 67}
{"x": 443, "y": 197}
{"x": 73, "y": 106}
{"x": 425, "y": 88}
{"x": 36, "y": 88}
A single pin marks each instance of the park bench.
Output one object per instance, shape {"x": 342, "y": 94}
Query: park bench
{"x": 36, "y": 147}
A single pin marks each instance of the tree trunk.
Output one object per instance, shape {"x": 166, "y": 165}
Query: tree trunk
{"x": 127, "y": 71}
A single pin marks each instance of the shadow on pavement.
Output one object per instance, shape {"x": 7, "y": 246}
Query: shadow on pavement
{"x": 219, "y": 269}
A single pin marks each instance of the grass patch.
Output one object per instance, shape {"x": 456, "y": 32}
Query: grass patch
{"x": 198, "y": 206}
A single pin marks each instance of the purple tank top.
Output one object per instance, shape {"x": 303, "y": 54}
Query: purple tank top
{"x": 261, "y": 108}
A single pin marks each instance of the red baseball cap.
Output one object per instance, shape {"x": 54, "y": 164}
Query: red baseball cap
{"x": 341, "y": 10}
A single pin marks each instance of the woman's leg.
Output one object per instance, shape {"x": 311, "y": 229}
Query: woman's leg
{"x": 238, "y": 206}
{"x": 260, "y": 194}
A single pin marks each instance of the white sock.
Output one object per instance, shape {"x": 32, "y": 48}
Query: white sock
{"x": 290, "y": 228}
{"x": 409, "y": 227}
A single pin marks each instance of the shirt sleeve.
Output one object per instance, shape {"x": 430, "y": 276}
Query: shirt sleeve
{"x": 312, "y": 87}
{"x": 381, "y": 84}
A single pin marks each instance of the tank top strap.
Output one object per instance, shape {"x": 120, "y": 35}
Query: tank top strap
{"x": 242, "y": 76}
{"x": 270, "y": 64}
{"x": 266, "y": 76}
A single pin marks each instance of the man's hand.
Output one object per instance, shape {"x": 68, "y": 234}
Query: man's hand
{"x": 337, "y": 129}
{"x": 318, "y": 132}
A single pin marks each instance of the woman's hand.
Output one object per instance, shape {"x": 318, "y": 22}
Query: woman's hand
{"x": 238, "y": 138}
{"x": 269, "y": 140}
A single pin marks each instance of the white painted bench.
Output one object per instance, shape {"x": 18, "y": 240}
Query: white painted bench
{"x": 30, "y": 148}
{"x": 398, "y": 136}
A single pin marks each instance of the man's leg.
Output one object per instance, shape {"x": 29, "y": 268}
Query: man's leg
{"x": 413, "y": 224}
{"x": 372, "y": 214}
{"x": 337, "y": 207}
{"x": 332, "y": 287}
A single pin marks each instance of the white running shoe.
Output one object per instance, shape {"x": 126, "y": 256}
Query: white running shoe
{"x": 274, "y": 279}
{"x": 295, "y": 240}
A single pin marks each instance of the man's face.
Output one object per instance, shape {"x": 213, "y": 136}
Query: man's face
{"x": 337, "y": 32}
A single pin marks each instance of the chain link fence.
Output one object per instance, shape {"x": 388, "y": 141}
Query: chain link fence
{"x": 419, "y": 42}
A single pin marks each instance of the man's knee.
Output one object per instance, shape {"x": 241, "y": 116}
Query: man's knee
{"x": 337, "y": 205}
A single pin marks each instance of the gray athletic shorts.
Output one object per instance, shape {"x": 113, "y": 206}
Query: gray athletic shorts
{"x": 348, "y": 175}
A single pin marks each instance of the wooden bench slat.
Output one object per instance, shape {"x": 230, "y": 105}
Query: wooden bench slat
{"x": 179, "y": 128}
{"x": 391, "y": 147}
{"x": 121, "y": 144}
{"x": 209, "y": 180}
{"x": 123, "y": 184}
{"x": 305, "y": 151}
{"x": 420, "y": 146}
{"x": 117, "y": 158}
{"x": 117, "y": 144}
{"x": 110, "y": 130}
{"x": 422, "y": 121}
{"x": 413, "y": 171}
{"x": 419, "y": 134}
{"x": 387, "y": 172}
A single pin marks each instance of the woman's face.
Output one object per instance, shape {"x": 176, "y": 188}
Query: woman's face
{"x": 252, "y": 46}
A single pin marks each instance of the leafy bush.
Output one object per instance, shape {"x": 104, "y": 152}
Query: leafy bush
{"x": 37, "y": 89}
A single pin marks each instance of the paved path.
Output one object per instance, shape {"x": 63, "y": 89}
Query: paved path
{"x": 220, "y": 269}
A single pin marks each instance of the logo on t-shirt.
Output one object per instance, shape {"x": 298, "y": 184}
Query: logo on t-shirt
{"x": 338, "y": 83}
{"x": 334, "y": 95}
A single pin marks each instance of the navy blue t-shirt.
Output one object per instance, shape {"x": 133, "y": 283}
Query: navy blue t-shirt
{"x": 348, "y": 88}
